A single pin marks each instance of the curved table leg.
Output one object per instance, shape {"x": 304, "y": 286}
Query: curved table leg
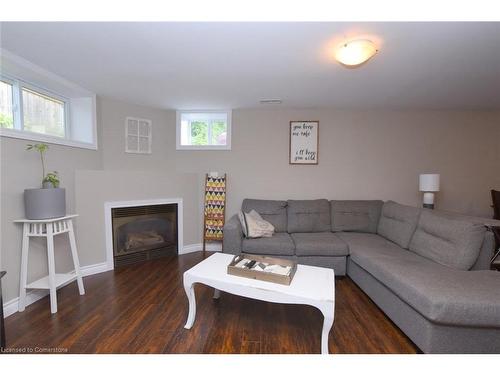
{"x": 189, "y": 289}
{"x": 327, "y": 325}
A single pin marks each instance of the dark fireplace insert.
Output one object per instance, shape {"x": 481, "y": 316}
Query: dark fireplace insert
{"x": 144, "y": 232}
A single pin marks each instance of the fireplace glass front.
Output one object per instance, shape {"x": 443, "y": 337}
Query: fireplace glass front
{"x": 144, "y": 232}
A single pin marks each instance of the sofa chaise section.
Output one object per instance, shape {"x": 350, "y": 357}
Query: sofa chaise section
{"x": 427, "y": 288}
{"x": 429, "y": 336}
{"x": 441, "y": 294}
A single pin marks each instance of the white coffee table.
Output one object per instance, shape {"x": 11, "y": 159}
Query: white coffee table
{"x": 313, "y": 286}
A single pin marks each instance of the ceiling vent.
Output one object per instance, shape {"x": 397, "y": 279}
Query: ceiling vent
{"x": 270, "y": 101}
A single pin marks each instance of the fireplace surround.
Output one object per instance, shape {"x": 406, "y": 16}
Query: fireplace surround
{"x": 142, "y": 229}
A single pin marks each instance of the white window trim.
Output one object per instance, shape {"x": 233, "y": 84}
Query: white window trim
{"x": 226, "y": 147}
{"x": 36, "y": 137}
{"x": 16, "y": 102}
{"x": 19, "y": 133}
{"x": 150, "y": 137}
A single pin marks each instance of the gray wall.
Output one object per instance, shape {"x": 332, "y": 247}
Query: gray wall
{"x": 19, "y": 170}
{"x": 112, "y": 120}
{"x": 94, "y": 188}
{"x": 362, "y": 155}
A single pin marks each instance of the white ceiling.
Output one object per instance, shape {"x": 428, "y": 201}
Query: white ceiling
{"x": 234, "y": 65}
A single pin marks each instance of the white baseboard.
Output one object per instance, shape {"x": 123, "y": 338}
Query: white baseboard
{"x": 12, "y": 306}
{"x": 191, "y": 248}
{"x": 32, "y": 296}
{"x": 211, "y": 246}
{"x": 94, "y": 269}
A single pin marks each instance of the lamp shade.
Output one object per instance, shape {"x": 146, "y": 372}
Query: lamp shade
{"x": 429, "y": 182}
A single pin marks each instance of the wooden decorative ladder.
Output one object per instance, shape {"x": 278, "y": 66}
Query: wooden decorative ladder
{"x": 214, "y": 209}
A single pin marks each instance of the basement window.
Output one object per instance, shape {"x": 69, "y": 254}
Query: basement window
{"x": 24, "y": 108}
{"x": 30, "y": 112}
{"x": 39, "y": 106}
{"x": 204, "y": 130}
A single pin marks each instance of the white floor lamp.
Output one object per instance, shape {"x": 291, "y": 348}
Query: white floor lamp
{"x": 429, "y": 184}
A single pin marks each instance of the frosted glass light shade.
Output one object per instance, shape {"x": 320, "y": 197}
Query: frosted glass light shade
{"x": 355, "y": 52}
{"x": 429, "y": 182}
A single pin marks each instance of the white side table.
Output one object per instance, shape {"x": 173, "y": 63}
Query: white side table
{"x": 48, "y": 228}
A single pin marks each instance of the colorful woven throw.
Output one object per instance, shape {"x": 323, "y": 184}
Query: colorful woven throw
{"x": 215, "y": 202}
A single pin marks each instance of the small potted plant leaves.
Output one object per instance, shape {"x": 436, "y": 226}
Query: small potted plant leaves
{"x": 51, "y": 180}
{"x": 49, "y": 201}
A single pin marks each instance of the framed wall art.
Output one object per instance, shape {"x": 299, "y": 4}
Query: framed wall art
{"x": 304, "y": 141}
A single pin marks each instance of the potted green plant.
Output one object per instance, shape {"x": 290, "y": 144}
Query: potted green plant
{"x": 50, "y": 200}
{"x": 51, "y": 180}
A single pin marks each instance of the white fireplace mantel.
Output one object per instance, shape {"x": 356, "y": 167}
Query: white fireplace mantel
{"x": 150, "y": 202}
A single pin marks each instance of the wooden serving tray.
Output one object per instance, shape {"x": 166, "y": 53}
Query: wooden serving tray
{"x": 261, "y": 275}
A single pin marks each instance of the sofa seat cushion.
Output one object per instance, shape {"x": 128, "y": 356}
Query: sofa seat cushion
{"x": 324, "y": 244}
{"x": 338, "y": 264}
{"x": 398, "y": 222}
{"x": 448, "y": 239}
{"x": 278, "y": 244}
{"x": 355, "y": 216}
{"x": 308, "y": 216}
{"x": 441, "y": 294}
{"x": 365, "y": 242}
{"x": 271, "y": 211}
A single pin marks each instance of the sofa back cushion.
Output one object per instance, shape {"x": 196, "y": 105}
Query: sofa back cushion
{"x": 398, "y": 222}
{"x": 355, "y": 216}
{"x": 269, "y": 210}
{"x": 448, "y": 239}
{"x": 308, "y": 216}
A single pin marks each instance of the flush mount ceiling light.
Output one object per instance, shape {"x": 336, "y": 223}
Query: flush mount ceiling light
{"x": 356, "y": 52}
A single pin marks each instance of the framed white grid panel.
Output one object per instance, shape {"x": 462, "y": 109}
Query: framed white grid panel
{"x": 138, "y": 135}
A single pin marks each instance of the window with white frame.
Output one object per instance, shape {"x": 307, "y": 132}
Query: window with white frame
{"x": 40, "y": 106}
{"x": 138, "y": 135}
{"x": 204, "y": 130}
{"x": 26, "y": 108}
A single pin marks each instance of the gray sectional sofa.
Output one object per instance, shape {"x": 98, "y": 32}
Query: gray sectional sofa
{"x": 427, "y": 270}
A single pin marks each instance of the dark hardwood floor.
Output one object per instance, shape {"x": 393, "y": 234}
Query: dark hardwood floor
{"x": 142, "y": 309}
